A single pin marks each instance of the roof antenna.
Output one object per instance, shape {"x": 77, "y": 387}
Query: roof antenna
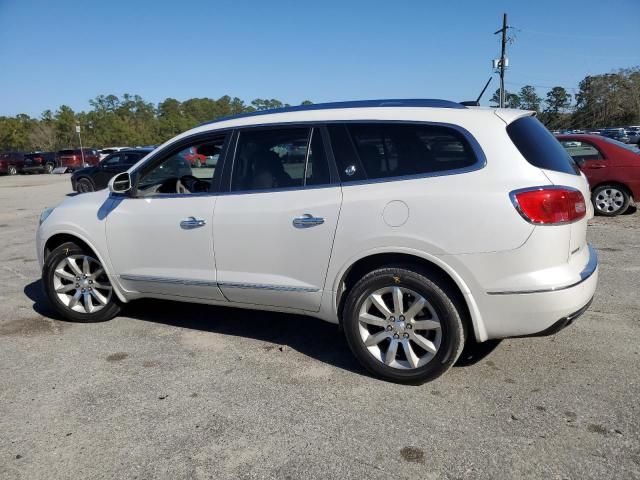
{"x": 476, "y": 103}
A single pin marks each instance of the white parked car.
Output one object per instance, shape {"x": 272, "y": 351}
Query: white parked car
{"x": 418, "y": 225}
{"x": 105, "y": 152}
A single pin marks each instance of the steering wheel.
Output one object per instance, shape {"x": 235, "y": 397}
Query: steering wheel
{"x": 191, "y": 184}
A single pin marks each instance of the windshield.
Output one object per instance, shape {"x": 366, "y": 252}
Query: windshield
{"x": 631, "y": 148}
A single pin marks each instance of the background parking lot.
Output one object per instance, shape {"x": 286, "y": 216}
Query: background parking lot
{"x": 171, "y": 390}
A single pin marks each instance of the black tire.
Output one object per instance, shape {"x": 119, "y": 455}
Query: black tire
{"x": 610, "y": 200}
{"x": 84, "y": 185}
{"x": 69, "y": 249}
{"x": 48, "y": 168}
{"x": 437, "y": 294}
{"x": 12, "y": 170}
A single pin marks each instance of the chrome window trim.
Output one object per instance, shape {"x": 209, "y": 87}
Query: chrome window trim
{"x": 587, "y": 271}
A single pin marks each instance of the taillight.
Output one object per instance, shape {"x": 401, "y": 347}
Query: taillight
{"x": 549, "y": 205}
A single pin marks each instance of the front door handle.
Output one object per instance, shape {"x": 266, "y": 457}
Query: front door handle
{"x": 307, "y": 220}
{"x": 192, "y": 222}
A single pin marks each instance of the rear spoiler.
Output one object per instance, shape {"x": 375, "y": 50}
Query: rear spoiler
{"x": 509, "y": 115}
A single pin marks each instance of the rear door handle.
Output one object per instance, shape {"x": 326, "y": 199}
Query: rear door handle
{"x": 596, "y": 165}
{"x": 307, "y": 220}
{"x": 192, "y": 222}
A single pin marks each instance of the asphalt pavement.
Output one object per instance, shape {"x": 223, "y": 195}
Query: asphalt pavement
{"x": 171, "y": 390}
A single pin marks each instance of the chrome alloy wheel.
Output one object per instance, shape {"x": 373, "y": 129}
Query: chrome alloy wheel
{"x": 609, "y": 200}
{"x": 400, "y": 328}
{"x": 80, "y": 283}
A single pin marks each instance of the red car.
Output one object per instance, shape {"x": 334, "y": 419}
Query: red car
{"x": 72, "y": 159}
{"x": 612, "y": 168}
{"x": 11, "y": 162}
{"x": 194, "y": 158}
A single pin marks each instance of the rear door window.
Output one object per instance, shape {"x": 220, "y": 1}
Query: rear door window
{"x": 539, "y": 147}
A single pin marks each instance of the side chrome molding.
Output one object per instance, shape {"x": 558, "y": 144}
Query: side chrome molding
{"x": 204, "y": 283}
{"x": 261, "y": 286}
{"x": 174, "y": 281}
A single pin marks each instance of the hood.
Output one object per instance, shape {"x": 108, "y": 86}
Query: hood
{"x": 89, "y": 199}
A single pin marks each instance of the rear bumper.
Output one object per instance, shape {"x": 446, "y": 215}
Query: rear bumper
{"x": 539, "y": 312}
{"x": 560, "y": 324}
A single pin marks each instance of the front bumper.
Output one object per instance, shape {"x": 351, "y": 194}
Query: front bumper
{"x": 539, "y": 312}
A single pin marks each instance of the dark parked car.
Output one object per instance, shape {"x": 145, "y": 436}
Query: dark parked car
{"x": 73, "y": 159}
{"x": 11, "y": 162}
{"x": 97, "y": 177}
{"x": 618, "y": 134}
{"x": 42, "y": 162}
{"x": 611, "y": 167}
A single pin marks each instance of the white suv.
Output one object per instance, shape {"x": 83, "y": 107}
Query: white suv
{"x": 417, "y": 225}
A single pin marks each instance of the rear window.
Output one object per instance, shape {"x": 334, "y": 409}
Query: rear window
{"x": 67, "y": 152}
{"x": 539, "y": 147}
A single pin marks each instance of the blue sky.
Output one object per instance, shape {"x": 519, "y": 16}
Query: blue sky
{"x": 67, "y": 52}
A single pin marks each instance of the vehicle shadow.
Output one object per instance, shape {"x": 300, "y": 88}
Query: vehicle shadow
{"x": 310, "y": 336}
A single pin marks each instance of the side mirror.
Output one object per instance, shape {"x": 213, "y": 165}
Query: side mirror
{"x": 121, "y": 183}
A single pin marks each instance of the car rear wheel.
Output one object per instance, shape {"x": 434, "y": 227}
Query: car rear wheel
{"x": 84, "y": 185}
{"x": 12, "y": 170}
{"x": 402, "y": 326}
{"x": 77, "y": 286}
{"x": 48, "y": 168}
{"x": 610, "y": 200}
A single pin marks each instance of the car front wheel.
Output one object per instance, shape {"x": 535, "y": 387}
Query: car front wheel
{"x": 48, "y": 168}
{"x": 610, "y": 200}
{"x": 12, "y": 170}
{"x": 84, "y": 185}
{"x": 402, "y": 326}
{"x": 77, "y": 286}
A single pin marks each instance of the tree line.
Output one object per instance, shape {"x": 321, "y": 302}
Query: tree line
{"x": 120, "y": 121}
{"x": 601, "y": 100}
{"x": 607, "y": 100}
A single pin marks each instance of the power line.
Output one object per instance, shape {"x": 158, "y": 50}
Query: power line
{"x": 565, "y": 35}
{"x": 540, "y": 86}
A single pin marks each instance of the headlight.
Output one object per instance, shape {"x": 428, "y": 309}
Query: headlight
{"x": 45, "y": 213}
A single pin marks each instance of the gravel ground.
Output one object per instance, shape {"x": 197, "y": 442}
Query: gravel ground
{"x": 172, "y": 390}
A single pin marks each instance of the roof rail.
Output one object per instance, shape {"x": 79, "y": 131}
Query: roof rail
{"x": 416, "y": 102}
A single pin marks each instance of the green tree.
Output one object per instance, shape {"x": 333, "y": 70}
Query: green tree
{"x": 557, "y": 103}
{"x": 511, "y": 100}
{"x": 262, "y": 104}
{"x": 529, "y": 99}
{"x": 65, "y": 123}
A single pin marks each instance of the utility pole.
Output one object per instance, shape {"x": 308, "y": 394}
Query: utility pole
{"x": 80, "y": 139}
{"x": 502, "y": 64}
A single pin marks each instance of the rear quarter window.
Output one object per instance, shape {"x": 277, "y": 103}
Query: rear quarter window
{"x": 539, "y": 147}
{"x": 388, "y": 150}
